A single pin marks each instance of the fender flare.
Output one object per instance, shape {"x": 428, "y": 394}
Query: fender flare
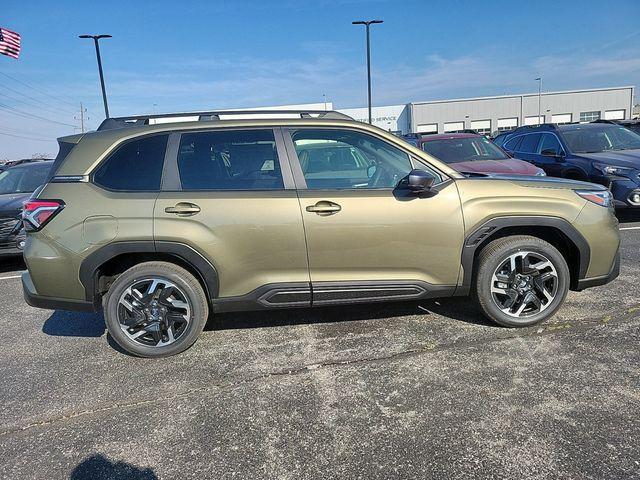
{"x": 477, "y": 239}
{"x": 90, "y": 265}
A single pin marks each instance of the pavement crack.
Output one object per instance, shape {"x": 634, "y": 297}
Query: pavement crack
{"x": 553, "y": 329}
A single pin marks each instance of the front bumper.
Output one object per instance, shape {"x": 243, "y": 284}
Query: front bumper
{"x": 603, "y": 279}
{"x": 623, "y": 190}
{"x": 51, "y": 303}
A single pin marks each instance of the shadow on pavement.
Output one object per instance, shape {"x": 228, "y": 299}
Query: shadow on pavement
{"x": 11, "y": 264}
{"x": 99, "y": 467}
{"x": 62, "y": 323}
{"x": 457, "y": 308}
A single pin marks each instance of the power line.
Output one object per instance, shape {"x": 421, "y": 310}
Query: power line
{"x": 28, "y": 138}
{"x": 44, "y": 106}
{"x": 15, "y": 111}
{"x": 42, "y": 92}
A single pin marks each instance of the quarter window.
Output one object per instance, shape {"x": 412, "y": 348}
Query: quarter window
{"x": 338, "y": 159}
{"x": 134, "y": 166}
{"x": 229, "y": 160}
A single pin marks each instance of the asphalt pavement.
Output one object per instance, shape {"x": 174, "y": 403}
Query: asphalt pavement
{"x": 410, "y": 390}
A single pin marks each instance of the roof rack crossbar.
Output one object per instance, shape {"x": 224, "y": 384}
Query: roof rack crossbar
{"x": 137, "y": 120}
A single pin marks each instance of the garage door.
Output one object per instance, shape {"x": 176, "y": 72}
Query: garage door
{"x": 481, "y": 126}
{"x": 534, "y": 120}
{"x": 507, "y": 124}
{"x": 453, "y": 126}
{"x": 427, "y": 128}
{"x": 561, "y": 118}
{"x": 614, "y": 115}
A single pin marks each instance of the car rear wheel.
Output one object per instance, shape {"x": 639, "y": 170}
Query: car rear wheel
{"x": 155, "y": 309}
{"x": 521, "y": 280}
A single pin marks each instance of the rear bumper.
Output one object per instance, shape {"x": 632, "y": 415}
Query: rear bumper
{"x": 51, "y": 303}
{"x": 601, "y": 280}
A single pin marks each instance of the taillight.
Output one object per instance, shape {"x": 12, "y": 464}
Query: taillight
{"x": 37, "y": 213}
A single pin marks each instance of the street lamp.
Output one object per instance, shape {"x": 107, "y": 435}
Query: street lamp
{"x": 539, "y": 80}
{"x": 104, "y": 92}
{"x": 367, "y": 24}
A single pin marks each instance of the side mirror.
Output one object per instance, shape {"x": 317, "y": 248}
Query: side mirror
{"x": 420, "y": 180}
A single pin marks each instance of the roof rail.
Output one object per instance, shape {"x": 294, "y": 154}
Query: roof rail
{"x": 214, "y": 116}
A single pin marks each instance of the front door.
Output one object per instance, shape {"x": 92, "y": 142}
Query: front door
{"x": 368, "y": 238}
{"x": 229, "y": 195}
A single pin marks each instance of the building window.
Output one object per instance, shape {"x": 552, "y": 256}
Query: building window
{"x": 535, "y": 120}
{"x": 561, "y": 118}
{"x": 506, "y": 124}
{"x": 589, "y": 116}
{"x": 614, "y": 115}
{"x": 483, "y": 127}
{"x": 453, "y": 127}
{"x": 427, "y": 128}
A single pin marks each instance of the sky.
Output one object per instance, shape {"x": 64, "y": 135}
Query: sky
{"x": 177, "y": 56}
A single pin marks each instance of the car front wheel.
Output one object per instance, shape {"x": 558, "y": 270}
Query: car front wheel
{"x": 521, "y": 280}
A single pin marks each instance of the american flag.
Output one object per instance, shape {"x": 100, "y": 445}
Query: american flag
{"x": 9, "y": 43}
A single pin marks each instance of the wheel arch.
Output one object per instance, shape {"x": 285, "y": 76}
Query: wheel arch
{"x": 557, "y": 231}
{"x": 105, "y": 263}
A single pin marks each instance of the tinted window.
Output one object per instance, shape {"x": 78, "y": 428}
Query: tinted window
{"x": 550, "y": 142}
{"x": 451, "y": 150}
{"x": 134, "y": 166}
{"x": 529, "y": 143}
{"x": 513, "y": 144}
{"x": 347, "y": 159}
{"x": 23, "y": 179}
{"x": 229, "y": 160}
{"x": 598, "y": 138}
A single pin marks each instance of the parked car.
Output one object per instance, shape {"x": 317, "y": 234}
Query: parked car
{"x": 597, "y": 152}
{"x": 633, "y": 125}
{"x": 17, "y": 183}
{"x": 473, "y": 153}
{"x": 163, "y": 224}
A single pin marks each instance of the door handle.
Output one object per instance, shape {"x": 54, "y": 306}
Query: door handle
{"x": 324, "y": 208}
{"x": 183, "y": 208}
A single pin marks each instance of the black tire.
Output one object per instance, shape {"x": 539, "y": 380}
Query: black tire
{"x": 189, "y": 288}
{"x": 495, "y": 254}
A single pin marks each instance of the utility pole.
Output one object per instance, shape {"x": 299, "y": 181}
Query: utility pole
{"x": 539, "y": 80}
{"x": 81, "y": 117}
{"x": 367, "y": 24}
{"x": 104, "y": 92}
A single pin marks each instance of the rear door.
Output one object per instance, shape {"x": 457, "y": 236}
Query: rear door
{"x": 229, "y": 195}
{"x": 526, "y": 148}
{"x": 368, "y": 237}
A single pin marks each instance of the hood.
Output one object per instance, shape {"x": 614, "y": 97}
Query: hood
{"x": 543, "y": 182}
{"x": 11, "y": 203}
{"x": 509, "y": 166}
{"x": 622, "y": 158}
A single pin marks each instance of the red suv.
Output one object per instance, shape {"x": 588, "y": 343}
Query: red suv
{"x": 472, "y": 153}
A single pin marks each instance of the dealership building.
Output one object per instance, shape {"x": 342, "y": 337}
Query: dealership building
{"x": 504, "y": 112}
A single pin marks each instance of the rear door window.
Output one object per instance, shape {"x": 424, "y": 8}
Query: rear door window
{"x": 513, "y": 144}
{"x": 229, "y": 160}
{"x": 134, "y": 166}
{"x": 529, "y": 143}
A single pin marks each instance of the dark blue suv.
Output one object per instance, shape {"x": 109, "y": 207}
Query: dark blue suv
{"x": 601, "y": 153}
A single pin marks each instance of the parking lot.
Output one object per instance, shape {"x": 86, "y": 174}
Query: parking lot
{"x": 425, "y": 390}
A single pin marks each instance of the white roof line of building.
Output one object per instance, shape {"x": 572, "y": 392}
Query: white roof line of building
{"x": 535, "y": 94}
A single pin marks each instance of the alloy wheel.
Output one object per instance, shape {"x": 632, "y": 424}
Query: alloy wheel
{"x": 154, "y": 312}
{"x": 524, "y": 284}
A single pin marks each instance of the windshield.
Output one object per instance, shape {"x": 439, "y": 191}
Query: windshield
{"x": 598, "y": 138}
{"x": 452, "y": 150}
{"x": 23, "y": 179}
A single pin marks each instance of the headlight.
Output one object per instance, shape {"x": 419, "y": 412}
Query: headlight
{"x": 613, "y": 169}
{"x": 599, "y": 197}
{"x": 540, "y": 173}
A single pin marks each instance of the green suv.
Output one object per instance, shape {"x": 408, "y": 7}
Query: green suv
{"x": 163, "y": 221}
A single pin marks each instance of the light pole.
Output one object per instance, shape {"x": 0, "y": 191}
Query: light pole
{"x": 367, "y": 24}
{"x": 539, "y": 80}
{"x": 104, "y": 92}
